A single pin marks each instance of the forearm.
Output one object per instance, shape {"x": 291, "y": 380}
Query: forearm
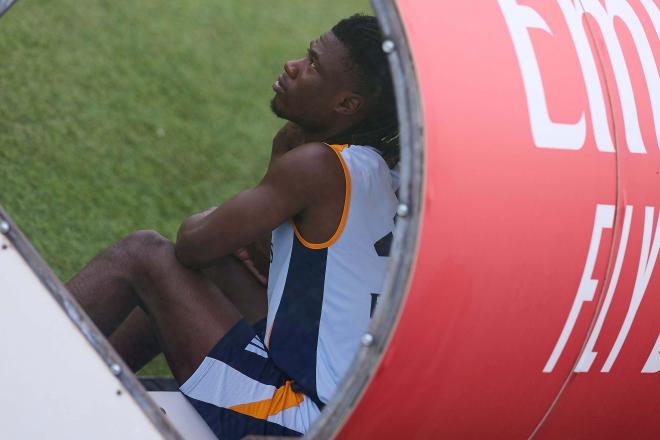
{"x": 204, "y": 238}
{"x": 292, "y": 183}
{"x": 195, "y": 219}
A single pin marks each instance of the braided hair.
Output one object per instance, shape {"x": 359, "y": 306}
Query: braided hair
{"x": 363, "y": 38}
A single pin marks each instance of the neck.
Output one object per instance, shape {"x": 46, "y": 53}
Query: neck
{"x": 327, "y": 133}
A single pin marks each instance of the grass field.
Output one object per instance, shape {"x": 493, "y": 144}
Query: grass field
{"x": 117, "y": 116}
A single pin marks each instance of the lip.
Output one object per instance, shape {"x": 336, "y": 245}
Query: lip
{"x": 277, "y": 87}
{"x": 280, "y": 84}
{"x": 283, "y": 80}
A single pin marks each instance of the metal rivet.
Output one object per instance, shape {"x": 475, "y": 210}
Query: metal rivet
{"x": 402, "y": 210}
{"x": 388, "y": 46}
{"x": 367, "y": 339}
{"x": 4, "y": 227}
{"x": 116, "y": 369}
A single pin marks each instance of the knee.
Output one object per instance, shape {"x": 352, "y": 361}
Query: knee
{"x": 144, "y": 246}
{"x": 145, "y": 238}
{"x": 141, "y": 259}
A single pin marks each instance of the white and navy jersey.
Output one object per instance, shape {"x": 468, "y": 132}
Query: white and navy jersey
{"x": 321, "y": 295}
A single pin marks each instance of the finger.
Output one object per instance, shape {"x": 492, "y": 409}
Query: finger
{"x": 249, "y": 264}
{"x": 242, "y": 253}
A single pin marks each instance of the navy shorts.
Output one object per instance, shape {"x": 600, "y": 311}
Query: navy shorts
{"x": 239, "y": 391}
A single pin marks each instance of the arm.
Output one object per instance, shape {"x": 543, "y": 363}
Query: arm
{"x": 287, "y": 138}
{"x": 255, "y": 256}
{"x": 293, "y": 183}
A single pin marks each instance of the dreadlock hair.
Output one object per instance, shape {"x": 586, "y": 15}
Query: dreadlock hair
{"x": 363, "y": 39}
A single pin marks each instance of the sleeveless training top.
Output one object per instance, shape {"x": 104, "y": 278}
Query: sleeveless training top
{"x": 321, "y": 296}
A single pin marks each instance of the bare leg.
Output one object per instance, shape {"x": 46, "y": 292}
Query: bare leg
{"x": 103, "y": 288}
{"x": 188, "y": 312}
{"x": 241, "y": 287}
{"x": 135, "y": 340}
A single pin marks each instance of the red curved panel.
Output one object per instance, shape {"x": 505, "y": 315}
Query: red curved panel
{"x": 528, "y": 176}
{"x": 620, "y": 395}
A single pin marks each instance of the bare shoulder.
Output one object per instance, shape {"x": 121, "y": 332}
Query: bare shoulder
{"x": 315, "y": 154}
{"x": 314, "y": 162}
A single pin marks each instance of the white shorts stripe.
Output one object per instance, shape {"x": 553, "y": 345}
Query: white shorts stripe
{"x": 299, "y": 418}
{"x": 256, "y": 341}
{"x": 219, "y": 384}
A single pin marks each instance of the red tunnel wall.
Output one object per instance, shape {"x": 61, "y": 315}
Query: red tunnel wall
{"x": 517, "y": 193}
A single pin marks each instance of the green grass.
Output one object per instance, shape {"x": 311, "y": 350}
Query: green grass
{"x": 118, "y": 115}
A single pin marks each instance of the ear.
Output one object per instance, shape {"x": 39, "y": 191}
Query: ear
{"x": 349, "y": 103}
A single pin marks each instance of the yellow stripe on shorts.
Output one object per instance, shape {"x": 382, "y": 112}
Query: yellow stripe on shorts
{"x": 283, "y": 398}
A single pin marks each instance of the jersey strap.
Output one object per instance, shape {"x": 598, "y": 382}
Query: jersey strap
{"x": 347, "y": 201}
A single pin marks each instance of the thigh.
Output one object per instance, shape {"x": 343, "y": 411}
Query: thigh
{"x": 135, "y": 339}
{"x": 188, "y": 312}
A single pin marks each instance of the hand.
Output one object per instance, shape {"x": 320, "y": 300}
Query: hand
{"x": 288, "y": 137}
{"x": 249, "y": 261}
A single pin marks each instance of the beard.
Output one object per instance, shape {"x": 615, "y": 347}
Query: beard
{"x": 280, "y": 113}
{"x": 277, "y": 111}
{"x": 305, "y": 123}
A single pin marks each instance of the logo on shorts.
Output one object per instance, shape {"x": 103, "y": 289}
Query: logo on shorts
{"x": 257, "y": 347}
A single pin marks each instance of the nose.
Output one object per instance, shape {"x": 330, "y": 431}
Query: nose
{"x": 291, "y": 68}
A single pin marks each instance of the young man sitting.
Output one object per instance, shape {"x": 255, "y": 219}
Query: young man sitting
{"x": 328, "y": 203}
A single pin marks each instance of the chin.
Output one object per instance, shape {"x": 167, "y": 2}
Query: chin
{"x": 277, "y": 109}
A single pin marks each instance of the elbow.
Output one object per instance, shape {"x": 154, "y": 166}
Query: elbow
{"x": 187, "y": 251}
{"x": 185, "y": 255}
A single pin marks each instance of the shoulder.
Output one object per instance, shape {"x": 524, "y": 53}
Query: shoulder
{"x": 311, "y": 161}
{"x": 309, "y": 173}
{"x": 314, "y": 154}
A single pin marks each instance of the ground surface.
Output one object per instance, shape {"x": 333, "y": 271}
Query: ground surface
{"x": 118, "y": 115}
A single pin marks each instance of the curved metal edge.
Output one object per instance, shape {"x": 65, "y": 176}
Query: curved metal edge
{"x": 615, "y": 232}
{"x": 404, "y": 247}
{"x": 80, "y": 319}
{"x": 5, "y": 5}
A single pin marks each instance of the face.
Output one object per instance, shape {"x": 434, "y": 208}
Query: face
{"x": 317, "y": 90}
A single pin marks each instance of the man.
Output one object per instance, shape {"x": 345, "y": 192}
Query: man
{"x": 329, "y": 202}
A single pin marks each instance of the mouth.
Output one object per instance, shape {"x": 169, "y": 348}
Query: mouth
{"x": 279, "y": 85}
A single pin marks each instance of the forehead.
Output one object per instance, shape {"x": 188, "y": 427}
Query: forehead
{"x": 331, "y": 53}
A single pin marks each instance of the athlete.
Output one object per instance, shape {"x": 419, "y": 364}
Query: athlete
{"x": 326, "y": 205}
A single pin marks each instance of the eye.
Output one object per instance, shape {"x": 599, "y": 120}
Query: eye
{"x": 310, "y": 58}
